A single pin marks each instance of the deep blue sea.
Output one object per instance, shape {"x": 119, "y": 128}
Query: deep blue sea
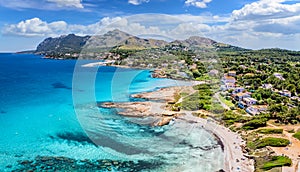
{"x": 48, "y": 108}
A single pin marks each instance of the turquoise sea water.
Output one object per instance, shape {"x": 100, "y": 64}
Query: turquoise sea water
{"x": 48, "y": 108}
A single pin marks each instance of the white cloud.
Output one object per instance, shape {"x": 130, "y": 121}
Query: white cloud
{"x": 67, "y": 3}
{"x": 198, "y": 3}
{"x": 262, "y": 24}
{"x": 42, "y": 4}
{"x": 137, "y": 2}
{"x": 268, "y": 16}
{"x": 16, "y": 4}
{"x": 260, "y": 33}
{"x": 289, "y": 25}
{"x": 35, "y": 27}
{"x": 185, "y": 30}
{"x": 266, "y": 9}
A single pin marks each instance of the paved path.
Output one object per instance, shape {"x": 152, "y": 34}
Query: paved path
{"x": 217, "y": 96}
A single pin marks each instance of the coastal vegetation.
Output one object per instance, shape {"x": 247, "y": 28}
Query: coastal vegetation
{"x": 255, "y": 123}
{"x": 199, "y": 100}
{"x": 273, "y": 162}
{"x": 297, "y": 135}
{"x": 231, "y": 75}
{"x": 230, "y": 117}
{"x": 271, "y": 77}
{"x": 271, "y": 141}
{"x": 270, "y": 131}
{"x": 227, "y": 101}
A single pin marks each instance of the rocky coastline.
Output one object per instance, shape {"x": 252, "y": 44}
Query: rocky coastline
{"x": 156, "y": 105}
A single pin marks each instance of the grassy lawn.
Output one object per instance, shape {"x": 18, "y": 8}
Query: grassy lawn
{"x": 277, "y": 161}
{"x": 227, "y": 102}
{"x": 297, "y": 135}
{"x": 203, "y": 78}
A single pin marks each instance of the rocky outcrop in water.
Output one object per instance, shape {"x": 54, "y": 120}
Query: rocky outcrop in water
{"x": 143, "y": 109}
{"x": 155, "y": 106}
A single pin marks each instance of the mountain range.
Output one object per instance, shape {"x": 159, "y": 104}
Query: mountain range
{"x": 72, "y": 43}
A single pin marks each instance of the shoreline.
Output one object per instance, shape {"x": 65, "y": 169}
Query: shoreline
{"x": 231, "y": 143}
{"x": 155, "y": 73}
{"x": 234, "y": 157}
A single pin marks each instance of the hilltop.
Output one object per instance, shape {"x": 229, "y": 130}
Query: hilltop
{"x": 70, "y": 46}
{"x": 64, "y": 44}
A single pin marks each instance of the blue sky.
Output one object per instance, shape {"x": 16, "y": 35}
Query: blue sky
{"x": 246, "y": 23}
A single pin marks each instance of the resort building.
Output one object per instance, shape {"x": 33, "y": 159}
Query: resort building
{"x": 286, "y": 93}
{"x": 249, "y": 101}
{"x": 227, "y": 86}
{"x": 232, "y": 73}
{"x": 256, "y": 109}
{"x": 295, "y": 98}
{"x": 240, "y": 96}
{"x": 242, "y": 105}
{"x": 228, "y": 79}
{"x": 238, "y": 90}
{"x": 213, "y": 72}
{"x": 267, "y": 86}
{"x": 243, "y": 66}
{"x": 279, "y": 76}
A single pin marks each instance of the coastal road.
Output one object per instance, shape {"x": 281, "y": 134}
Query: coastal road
{"x": 235, "y": 161}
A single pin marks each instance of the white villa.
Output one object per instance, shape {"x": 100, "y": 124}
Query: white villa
{"x": 250, "y": 101}
{"x": 238, "y": 90}
{"x": 279, "y": 76}
{"x": 228, "y": 79}
{"x": 267, "y": 86}
{"x": 286, "y": 93}
{"x": 232, "y": 73}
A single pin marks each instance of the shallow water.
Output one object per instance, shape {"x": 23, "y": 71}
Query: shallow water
{"x": 48, "y": 110}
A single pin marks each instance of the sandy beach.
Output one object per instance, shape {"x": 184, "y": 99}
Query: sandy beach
{"x": 235, "y": 159}
{"x": 104, "y": 63}
{"x": 156, "y": 105}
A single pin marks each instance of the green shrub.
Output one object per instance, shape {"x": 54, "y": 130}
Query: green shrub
{"x": 255, "y": 123}
{"x": 270, "y": 131}
{"x": 251, "y": 145}
{"x": 206, "y": 107}
{"x": 272, "y": 141}
{"x": 217, "y": 109}
{"x": 190, "y": 105}
{"x": 277, "y": 161}
{"x": 297, "y": 135}
{"x": 202, "y": 99}
{"x": 230, "y": 115}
